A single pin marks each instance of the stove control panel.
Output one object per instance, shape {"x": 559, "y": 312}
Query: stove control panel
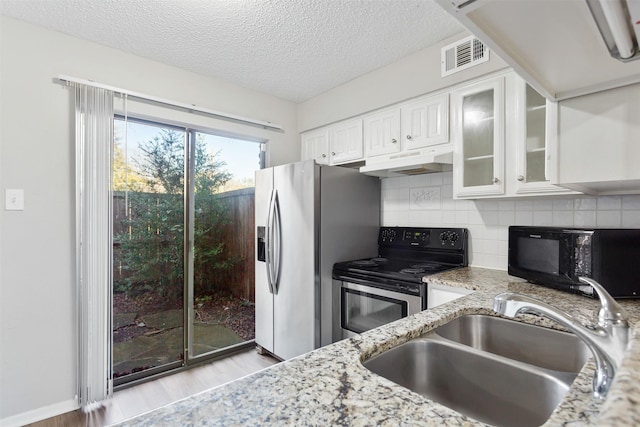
{"x": 442, "y": 238}
{"x": 449, "y": 238}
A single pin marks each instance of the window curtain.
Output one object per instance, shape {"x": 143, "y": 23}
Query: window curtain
{"x": 94, "y": 138}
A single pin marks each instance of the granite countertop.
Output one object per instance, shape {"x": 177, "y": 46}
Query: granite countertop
{"x": 329, "y": 386}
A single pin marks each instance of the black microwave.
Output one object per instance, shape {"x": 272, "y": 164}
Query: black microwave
{"x": 556, "y": 257}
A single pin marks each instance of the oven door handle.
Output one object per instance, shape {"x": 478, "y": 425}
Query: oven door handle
{"x": 374, "y": 283}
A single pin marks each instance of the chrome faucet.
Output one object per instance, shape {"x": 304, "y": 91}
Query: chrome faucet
{"x": 607, "y": 339}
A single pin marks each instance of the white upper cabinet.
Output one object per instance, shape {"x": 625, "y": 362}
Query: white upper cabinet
{"x": 382, "y": 132}
{"x": 505, "y": 140}
{"x": 478, "y": 138}
{"x": 315, "y": 145}
{"x": 409, "y": 126}
{"x": 345, "y": 142}
{"x": 425, "y": 122}
{"x": 334, "y": 145}
{"x": 599, "y": 151}
{"x": 535, "y": 135}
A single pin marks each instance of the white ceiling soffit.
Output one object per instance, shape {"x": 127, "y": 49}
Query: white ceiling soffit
{"x": 554, "y": 44}
{"x": 293, "y": 49}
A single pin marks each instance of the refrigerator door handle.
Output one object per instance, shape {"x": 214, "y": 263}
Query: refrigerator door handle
{"x": 277, "y": 243}
{"x": 269, "y": 241}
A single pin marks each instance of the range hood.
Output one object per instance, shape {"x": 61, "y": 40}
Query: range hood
{"x": 563, "y": 49}
{"x": 413, "y": 162}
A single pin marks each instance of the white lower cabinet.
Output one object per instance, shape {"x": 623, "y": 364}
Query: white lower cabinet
{"x": 440, "y": 294}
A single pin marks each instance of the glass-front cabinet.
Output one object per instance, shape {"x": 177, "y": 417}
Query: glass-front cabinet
{"x": 535, "y": 141}
{"x": 534, "y": 165}
{"x": 505, "y": 140}
{"x": 478, "y": 128}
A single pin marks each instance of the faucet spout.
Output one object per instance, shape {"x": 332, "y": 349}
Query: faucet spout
{"x": 607, "y": 339}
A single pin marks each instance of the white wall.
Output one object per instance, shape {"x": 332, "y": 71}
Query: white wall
{"x": 407, "y": 78}
{"x": 37, "y": 310}
{"x": 488, "y": 220}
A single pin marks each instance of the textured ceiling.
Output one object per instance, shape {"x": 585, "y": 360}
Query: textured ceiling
{"x": 293, "y": 49}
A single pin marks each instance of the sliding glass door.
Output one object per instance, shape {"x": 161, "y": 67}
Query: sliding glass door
{"x": 148, "y": 257}
{"x": 223, "y": 282}
{"x": 183, "y": 246}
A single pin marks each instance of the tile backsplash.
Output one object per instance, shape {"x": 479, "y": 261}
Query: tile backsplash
{"x": 427, "y": 201}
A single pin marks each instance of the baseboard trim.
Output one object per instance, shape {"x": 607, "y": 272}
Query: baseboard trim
{"x": 40, "y": 414}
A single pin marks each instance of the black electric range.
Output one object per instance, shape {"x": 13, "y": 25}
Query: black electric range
{"x": 405, "y": 255}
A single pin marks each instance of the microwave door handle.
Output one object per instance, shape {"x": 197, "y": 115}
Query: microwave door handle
{"x": 277, "y": 241}
{"x": 269, "y": 243}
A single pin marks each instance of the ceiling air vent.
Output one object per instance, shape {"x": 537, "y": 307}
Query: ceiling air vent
{"x": 463, "y": 54}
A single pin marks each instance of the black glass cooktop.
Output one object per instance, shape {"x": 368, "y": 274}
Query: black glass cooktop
{"x": 408, "y": 253}
{"x": 401, "y": 269}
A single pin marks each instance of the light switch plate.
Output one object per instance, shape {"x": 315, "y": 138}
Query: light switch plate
{"x": 14, "y": 200}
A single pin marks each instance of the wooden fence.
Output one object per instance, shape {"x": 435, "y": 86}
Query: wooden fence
{"x": 238, "y": 235}
{"x": 239, "y": 242}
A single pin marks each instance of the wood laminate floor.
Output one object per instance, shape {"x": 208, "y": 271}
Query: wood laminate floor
{"x": 162, "y": 391}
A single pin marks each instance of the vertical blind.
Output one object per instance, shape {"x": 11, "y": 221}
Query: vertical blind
{"x": 94, "y": 137}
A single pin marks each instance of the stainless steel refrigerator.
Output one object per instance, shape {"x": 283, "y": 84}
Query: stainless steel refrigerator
{"x": 307, "y": 218}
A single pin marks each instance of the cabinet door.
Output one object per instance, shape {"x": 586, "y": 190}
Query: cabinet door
{"x": 382, "y": 132}
{"x": 426, "y": 122}
{"x": 479, "y": 139}
{"x": 535, "y": 142}
{"x": 345, "y": 141}
{"x": 315, "y": 145}
{"x": 441, "y": 294}
{"x": 599, "y": 151}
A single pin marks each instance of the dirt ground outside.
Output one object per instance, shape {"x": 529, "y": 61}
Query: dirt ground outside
{"x": 148, "y": 328}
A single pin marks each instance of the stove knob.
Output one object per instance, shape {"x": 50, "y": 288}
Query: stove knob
{"x": 453, "y": 237}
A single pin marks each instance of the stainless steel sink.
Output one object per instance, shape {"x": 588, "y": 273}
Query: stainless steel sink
{"x": 546, "y": 348}
{"x": 471, "y": 371}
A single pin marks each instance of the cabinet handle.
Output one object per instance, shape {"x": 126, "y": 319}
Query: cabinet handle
{"x": 324, "y": 156}
{"x": 333, "y": 153}
{"x": 495, "y": 180}
{"x": 409, "y": 137}
{"x": 394, "y": 141}
{"x": 520, "y": 178}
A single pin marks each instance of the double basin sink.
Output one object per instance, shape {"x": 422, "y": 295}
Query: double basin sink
{"x": 497, "y": 371}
